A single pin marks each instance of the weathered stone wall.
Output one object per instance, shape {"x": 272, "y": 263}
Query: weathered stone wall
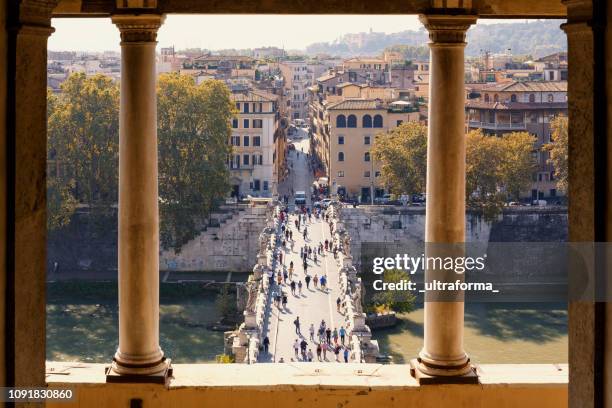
{"x": 407, "y": 225}
{"x": 88, "y": 249}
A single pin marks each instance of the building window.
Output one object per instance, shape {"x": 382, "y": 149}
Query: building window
{"x": 340, "y": 173}
{"x": 265, "y": 185}
{"x": 366, "y": 156}
{"x": 367, "y": 121}
{"x": 551, "y": 98}
{"x": 245, "y": 124}
{"x": 513, "y": 98}
{"x": 245, "y": 141}
{"x": 366, "y": 174}
{"x": 340, "y": 140}
{"x": 256, "y": 185}
{"x": 378, "y": 121}
{"x": 235, "y": 123}
{"x": 341, "y": 121}
{"x": 553, "y": 192}
{"x": 261, "y": 159}
{"x": 256, "y": 140}
{"x": 340, "y": 156}
{"x": 351, "y": 121}
{"x": 486, "y": 98}
{"x": 377, "y": 174}
{"x": 245, "y": 159}
{"x": 496, "y": 98}
{"x": 257, "y": 123}
{"x": 532, "y": 98}
{"x": 246, "y": 108}
{"x": 236, "y": 164}
{"x": 366, "y": 140}
{"x": 235, "y": 140}
{"x": 399, "y": 122}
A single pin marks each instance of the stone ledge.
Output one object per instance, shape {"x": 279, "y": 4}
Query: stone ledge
{"x": 312, "y": 375}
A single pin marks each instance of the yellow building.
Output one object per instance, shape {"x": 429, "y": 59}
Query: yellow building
{"x": 343, "y": 135}
{"x": 258, "y": 154}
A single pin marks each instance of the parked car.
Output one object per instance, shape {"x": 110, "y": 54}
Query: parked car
{"x": 324, "y": 203}
{"x": 385, "y": 199}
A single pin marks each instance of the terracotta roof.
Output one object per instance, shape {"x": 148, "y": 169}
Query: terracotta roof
{"x": 355, "y": 104}
{"x": 254, "y": 96}
{"x": 527, "y": 86}
{"x": 357, "y": 59}
{"x": 327, "y": 77}
{"x": 345, "y": 84}
{"x": 515, "y": 105}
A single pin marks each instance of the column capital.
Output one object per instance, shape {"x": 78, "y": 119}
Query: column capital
{"x": 35, "y": 17}
{"x": 447, "y": 29}
{"x": 138, "y": 28}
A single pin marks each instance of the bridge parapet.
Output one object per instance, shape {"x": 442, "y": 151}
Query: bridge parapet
{"x": 364, "y": 348}
{"x": 249, "y": 336}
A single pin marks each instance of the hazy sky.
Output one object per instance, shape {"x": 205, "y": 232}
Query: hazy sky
{"x": 230, "y": 31}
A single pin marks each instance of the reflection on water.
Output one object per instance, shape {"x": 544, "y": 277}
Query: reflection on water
{"x": 83, "y": 326}
{"x": 494, "y": 333}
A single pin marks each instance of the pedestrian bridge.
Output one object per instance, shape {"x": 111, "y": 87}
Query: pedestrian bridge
{"x": 270, "y": 329}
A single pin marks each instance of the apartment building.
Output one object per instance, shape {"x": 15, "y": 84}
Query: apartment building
{"x": 297, "y": 80}
{"x": 342, "y": 135}
{"x": 421, "y": 79}
{"x": 257, "y": 162}
{"x": 521, "y": 106}
{"x": 374, "y": 70}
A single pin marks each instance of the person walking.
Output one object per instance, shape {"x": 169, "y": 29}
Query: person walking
{"x": 319, "y": 350}
{"x": 315, "y": 280}
{"x": 296, "y": 322}
{"x": 342, "y": 334}
{"x": 307, "y": 280}
{"x": 335, "y": 336}
{"x": 338, "y": 303}
{"x": 296, "y": 347}
{"x": 337, "y": 352}
{"x": 309, "y": 356}
{"x": 266, "y": 344}
{"x": 280, "y": 256}
{"x": 323, "y": 282}
{"x": 300, "y": 287}
{"x": 285, "y": 276}
{"x": 284, "y": 299}
{"x": 346, "y": 354}
{"x": 303, "y": 345}
{"x": 311, "y": 330}
{"x": 328, "y": 333}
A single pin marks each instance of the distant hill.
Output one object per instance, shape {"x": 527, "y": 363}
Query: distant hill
{"x": 536, "y": 38}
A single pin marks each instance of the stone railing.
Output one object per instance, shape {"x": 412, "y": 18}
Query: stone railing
{"x": 364, "y": 348}
{"x": 248, "y": 337}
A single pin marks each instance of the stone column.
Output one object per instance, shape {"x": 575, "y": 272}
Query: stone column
{"x": 26, "y": 26}
{"x": 139, "y": 357}
{"x": 442, "y": 354}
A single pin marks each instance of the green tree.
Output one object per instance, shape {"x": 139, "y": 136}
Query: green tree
{"x": 82, "y": 147}
{"x": 396, "y": 300}
{"x": 402, "y": 155}
{"x": 193, "y": 131}
{"x": 558, "y": 151}
{"x": 518, "y": 163}
{"x": 497, "y": 169}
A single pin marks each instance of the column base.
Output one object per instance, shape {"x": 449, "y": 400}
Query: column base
{"x": 416, "y": 370}
{"x": 160, "y": 377}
